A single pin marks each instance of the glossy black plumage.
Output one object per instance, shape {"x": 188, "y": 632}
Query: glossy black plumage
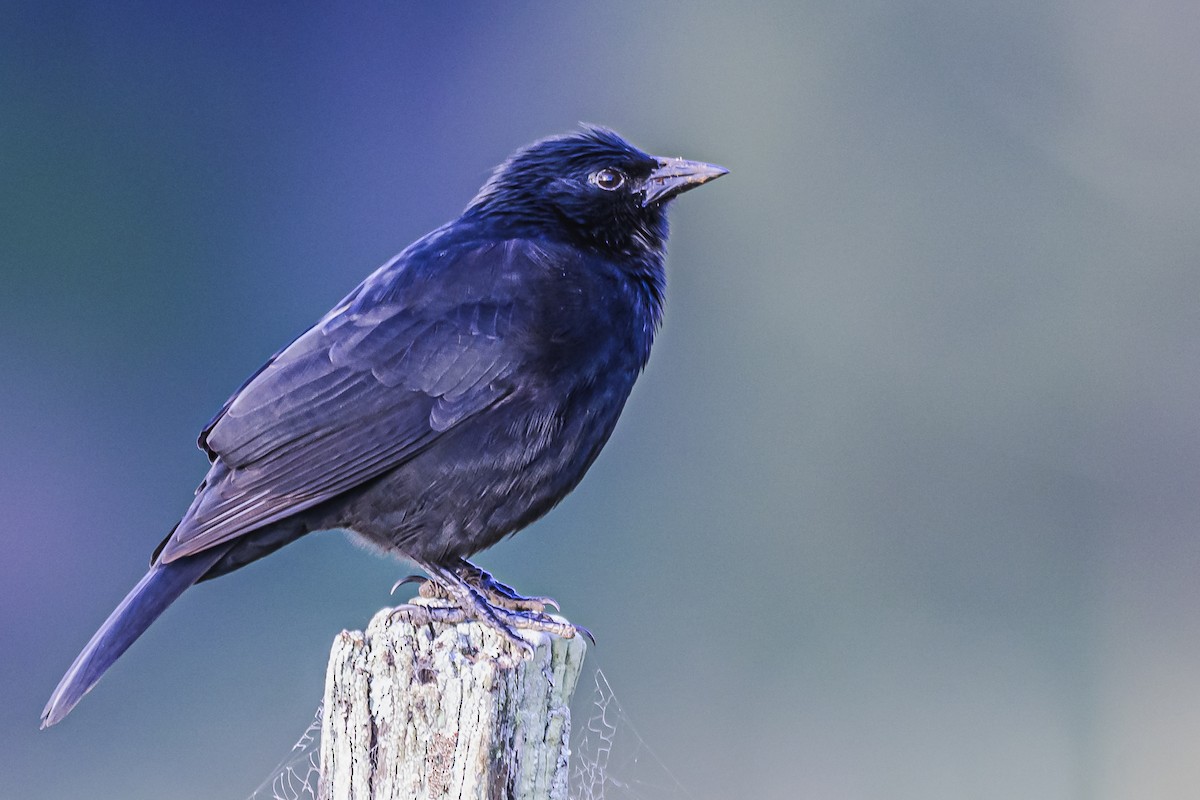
{"x": 451, "y": 399}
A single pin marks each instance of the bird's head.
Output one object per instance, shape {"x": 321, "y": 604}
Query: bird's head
{"x": 591, "y": 188}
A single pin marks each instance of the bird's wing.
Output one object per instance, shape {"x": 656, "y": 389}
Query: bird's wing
{"x": 412, "y": 353}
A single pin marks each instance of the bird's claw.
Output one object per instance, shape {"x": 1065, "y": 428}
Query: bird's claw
{"x": 408, "y": 579}
{"x": 454, "y": 615}
{"x": 536, "y": 621}
{"x": 585, "y": 632}
{"x": 473, "y": 594}
{"x": 501, "y": 594}
{"x": 504, "y": 597}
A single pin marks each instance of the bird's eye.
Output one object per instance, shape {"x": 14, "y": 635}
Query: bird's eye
{"x": 608, "y": 179}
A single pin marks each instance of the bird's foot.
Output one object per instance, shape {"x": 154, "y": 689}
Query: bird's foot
{"x": 501, "y": 594}
{"x": 477, "y": 596}
{"x": 498, "y": 594}
{"x": 473, "y": 606}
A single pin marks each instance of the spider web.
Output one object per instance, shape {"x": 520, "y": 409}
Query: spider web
{"x": 296, "y": 776}
{"x": 609, "y": 758}
{"x": 611, "y": 761}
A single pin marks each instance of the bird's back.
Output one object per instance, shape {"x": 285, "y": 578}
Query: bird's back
{"x": 515, "y": 356}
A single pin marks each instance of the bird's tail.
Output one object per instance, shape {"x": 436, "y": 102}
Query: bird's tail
{"x": 160, "y": 587}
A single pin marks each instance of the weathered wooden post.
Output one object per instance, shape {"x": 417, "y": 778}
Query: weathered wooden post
{"x": 416, "y": 710}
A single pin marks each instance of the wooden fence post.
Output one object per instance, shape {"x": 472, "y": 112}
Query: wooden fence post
{"x": 436, "y": 711}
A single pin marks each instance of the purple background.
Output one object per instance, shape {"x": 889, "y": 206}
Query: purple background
{"x": 905, "y": 507}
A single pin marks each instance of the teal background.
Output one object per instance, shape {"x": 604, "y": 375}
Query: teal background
{"x": 905, "y": 506}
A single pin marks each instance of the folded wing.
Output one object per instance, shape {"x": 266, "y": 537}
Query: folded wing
{"x": 415, "y": 351}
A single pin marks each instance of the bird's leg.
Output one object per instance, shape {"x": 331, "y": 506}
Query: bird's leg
{"x": 472, "y": 603}
{"x": 468, "y": 604}
{"x": 497, "y": 593}
{"x": 500, "y": 594}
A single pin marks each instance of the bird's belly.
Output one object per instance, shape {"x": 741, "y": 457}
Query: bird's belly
{"x": 492, "y": 477}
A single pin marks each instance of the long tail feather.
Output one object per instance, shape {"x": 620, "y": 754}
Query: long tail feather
{"x": 160, "y": 587}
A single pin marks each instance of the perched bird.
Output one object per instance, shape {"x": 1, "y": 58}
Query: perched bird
{"x": 454, "y": 397}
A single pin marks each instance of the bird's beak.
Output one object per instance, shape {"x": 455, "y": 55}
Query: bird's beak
{"x": 675, "y": 176}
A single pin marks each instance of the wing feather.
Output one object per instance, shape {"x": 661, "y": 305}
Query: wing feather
{"x": 404, "y": 359}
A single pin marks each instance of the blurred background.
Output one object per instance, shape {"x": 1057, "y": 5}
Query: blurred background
{"x": 905, "y": 506}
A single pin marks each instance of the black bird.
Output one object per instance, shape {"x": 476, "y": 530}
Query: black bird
{"x": 454, "y": 397}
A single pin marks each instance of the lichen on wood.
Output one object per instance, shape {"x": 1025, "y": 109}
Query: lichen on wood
{"x": 436, "y": 711}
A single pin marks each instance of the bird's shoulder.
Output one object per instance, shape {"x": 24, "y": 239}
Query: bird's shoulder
{"x": 447, "y": 320}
